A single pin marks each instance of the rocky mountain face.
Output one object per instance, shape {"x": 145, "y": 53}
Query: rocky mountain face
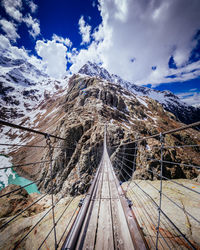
{"x": 170, "y": 102}
{"x": 78, "y": 113}
{"x": 80, "y": 118}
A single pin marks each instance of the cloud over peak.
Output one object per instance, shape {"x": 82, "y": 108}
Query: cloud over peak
{"x": 53, "y": 55}
{"x": 136, "y": 39}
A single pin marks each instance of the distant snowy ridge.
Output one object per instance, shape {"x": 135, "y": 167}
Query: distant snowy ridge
{"x": 23, "y": 88}
{"x": 184, "y": 112}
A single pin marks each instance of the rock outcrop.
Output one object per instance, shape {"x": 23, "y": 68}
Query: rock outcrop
{"x": 38, "y": 219}
{"x": 80, "y": 118}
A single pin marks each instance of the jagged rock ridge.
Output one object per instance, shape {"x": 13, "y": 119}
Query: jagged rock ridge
{"x": 185, "y": 113}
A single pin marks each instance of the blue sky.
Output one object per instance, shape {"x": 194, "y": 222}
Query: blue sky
{"x": 153, "y": 43}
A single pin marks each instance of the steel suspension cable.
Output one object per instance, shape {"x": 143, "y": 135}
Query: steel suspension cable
{"x": 150, "y": 217}
{"x": 191, "y": 245}
{"x": 16, "y": 246}
{"x": 170, "y": 180}
{"x": 166, "y": 215}
{"x": 27, "y": 164}
{"x": 15, "y": 190}
{"x": 7, "y": 222}
{"x": 162, "y": 176}
{"x": 12, "y": 125}
{"x": 68, "y": 225}
{"x": 170, "y": 198}
{"x": 56, "y": 223}
{"x": 48, "y": 142}
{"x": 31, "y": 146}
{"x": 165, "y": 133}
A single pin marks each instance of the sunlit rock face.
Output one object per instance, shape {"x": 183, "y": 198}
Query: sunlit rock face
{"x": 80, "y": 118}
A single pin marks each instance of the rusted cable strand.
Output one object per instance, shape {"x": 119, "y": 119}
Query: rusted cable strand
{"x": 20, "y": 188}
{"x": 179, "y": 231}
{"x": 12, "y": 125}
{"x": 27, "y": 164}
{"x": 22, "y": 211}
{"x": 36, "y": 224}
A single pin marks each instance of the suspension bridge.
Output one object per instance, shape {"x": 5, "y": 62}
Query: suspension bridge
{"x": 113, "y": 213}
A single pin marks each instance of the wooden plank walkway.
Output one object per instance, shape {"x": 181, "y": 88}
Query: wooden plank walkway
{"x": 105, "y": 226}
{"x": 106, "y": 221}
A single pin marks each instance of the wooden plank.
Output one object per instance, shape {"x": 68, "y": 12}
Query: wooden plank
{"x": 122, "y": 237}
{"x": 134, "y": 229}
{"x": 89, "y": 240}
{"x": 105, "y": 194}
{"x": 97, "y": 192}
{"x": 113, "y": 189}
{"x": 104, "y": 238}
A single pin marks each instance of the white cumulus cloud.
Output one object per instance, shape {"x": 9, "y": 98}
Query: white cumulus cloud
{"x": 85, "y": 30}
{"x": 14, "y": 52}
{"x": 191, "y": 98}
{"x": 53, "y": 54}
{"x": 65, "y": 41}
{"x": 33, "y": 6}
{"x": 33, "y": 24}
{"x": 10, "y": 29}
{"x": 136, "y": 35}
{"x": 13, "y": 8}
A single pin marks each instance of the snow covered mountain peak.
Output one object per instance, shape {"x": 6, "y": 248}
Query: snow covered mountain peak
{"x": 167, "y": 99}
{"x": 93, "y": 69}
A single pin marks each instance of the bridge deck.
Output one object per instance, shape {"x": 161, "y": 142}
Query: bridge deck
{"x": 105, "y": 221}
{"x": 105, "y": 225}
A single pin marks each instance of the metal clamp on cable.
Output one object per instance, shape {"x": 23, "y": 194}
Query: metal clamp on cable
{"x": 130, "y": 203}
{"x": 81, "y": 202}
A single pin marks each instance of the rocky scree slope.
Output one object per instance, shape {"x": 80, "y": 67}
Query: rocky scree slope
{"x": 170, "y": 102}
{"x": 80, "y": 117}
